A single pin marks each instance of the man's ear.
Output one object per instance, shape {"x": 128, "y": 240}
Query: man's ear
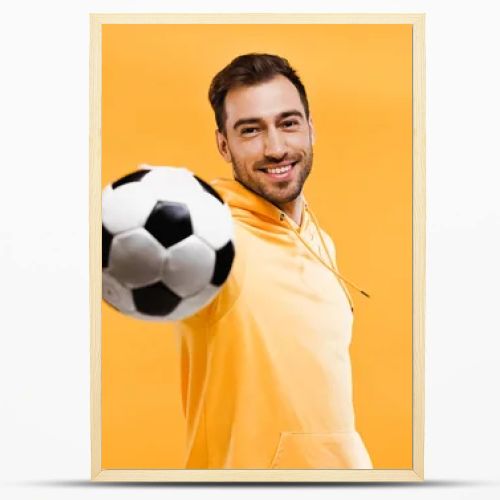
{"x": 311, "y": 128}
{"x": 223, "y": 146}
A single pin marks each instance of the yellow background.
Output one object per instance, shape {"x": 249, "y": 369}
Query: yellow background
{"x": 155, "y": 110}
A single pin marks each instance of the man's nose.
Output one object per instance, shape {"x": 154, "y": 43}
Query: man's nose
{"x": 275, "y": 145}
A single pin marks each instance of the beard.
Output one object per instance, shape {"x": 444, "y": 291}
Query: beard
{"x": 276, "y": 192}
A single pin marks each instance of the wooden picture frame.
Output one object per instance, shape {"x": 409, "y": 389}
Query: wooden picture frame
{"x": 415, "y": 473}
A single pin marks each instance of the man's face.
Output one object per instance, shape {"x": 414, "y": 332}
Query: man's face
{"x": 268, "y": 139}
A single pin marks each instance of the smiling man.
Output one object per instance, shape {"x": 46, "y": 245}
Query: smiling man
{"x": 266, "y": 372}
{"x": 267, "y": 135}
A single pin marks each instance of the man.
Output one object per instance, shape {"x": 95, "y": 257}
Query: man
{"x": 266, "y": 375}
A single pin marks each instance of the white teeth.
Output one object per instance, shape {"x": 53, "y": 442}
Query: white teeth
{"x": 280, "y": 170}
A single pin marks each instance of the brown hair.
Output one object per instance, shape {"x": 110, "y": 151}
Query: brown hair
{"x": 247, "y": 70}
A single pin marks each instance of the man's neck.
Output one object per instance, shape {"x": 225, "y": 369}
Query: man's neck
{"x": 294, "y": 209}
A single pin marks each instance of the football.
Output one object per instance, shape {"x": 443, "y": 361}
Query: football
{"x": 167, "y": 243}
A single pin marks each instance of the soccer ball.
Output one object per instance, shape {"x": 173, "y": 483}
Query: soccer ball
{"x": 167, "y": 243}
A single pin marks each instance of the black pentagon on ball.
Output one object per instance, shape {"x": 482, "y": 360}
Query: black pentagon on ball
{"x": 209, "y": 189}
{"x": 169, "y": 222}
{"x": 223, "y": 261}
{"x": 155, "y": 299}
{"x": 133, "y": 177}
{"x": 106, "y": 245}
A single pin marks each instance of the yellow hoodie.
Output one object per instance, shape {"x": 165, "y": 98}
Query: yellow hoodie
{"x": 266, "y": 374}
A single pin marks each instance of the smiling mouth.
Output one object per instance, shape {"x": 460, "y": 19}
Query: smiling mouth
{"x": 279, "y": 171}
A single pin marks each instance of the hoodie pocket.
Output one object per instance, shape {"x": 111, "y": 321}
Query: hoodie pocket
{"x": 338, "y": 450}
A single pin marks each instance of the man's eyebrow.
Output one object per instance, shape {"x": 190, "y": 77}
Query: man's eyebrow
{"x": 245, "y": 121}
{"x": 292, "y": 112}
{"x": 284, "y": 114}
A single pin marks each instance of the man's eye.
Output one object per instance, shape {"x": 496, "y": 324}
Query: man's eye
{"x": 249, "y": 130}
{"x": 289, "y": 123}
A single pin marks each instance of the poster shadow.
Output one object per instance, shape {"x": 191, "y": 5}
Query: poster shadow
{"x": 429, "y": 484}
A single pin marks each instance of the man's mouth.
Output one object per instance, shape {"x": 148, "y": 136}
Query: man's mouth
{"x": 280, "y": 171}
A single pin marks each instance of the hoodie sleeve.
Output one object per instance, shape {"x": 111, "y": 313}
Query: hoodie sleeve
{"x": 229, "y": 292}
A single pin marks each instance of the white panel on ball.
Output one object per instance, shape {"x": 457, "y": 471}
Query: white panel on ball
{"x": 188, "y": 266}
{"x": 136, "y": 258}
{"x": 116, "y": 294}
{"x": 151, "y": 319}
{"x": 126, "y": 207}
{"x": 106, "y": 191}
{"x": 172, "y": 184}
{"x": 192, "y": 305}
{"x": 211, "y": 220}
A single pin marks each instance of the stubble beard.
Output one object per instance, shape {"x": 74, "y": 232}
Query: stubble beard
{"x": 281, "y": 192}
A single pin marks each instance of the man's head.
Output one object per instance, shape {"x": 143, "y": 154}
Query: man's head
{"x": 264, "y": 127}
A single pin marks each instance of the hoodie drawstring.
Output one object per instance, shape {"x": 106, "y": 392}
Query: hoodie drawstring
{"x": 331, "y": 267}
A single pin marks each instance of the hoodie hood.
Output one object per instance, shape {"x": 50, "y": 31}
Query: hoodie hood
{"x": 253, "y": 210}
{"x": 250, "y": 208}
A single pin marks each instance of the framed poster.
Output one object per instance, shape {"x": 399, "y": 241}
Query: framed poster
{"x": 364, "y": 116}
